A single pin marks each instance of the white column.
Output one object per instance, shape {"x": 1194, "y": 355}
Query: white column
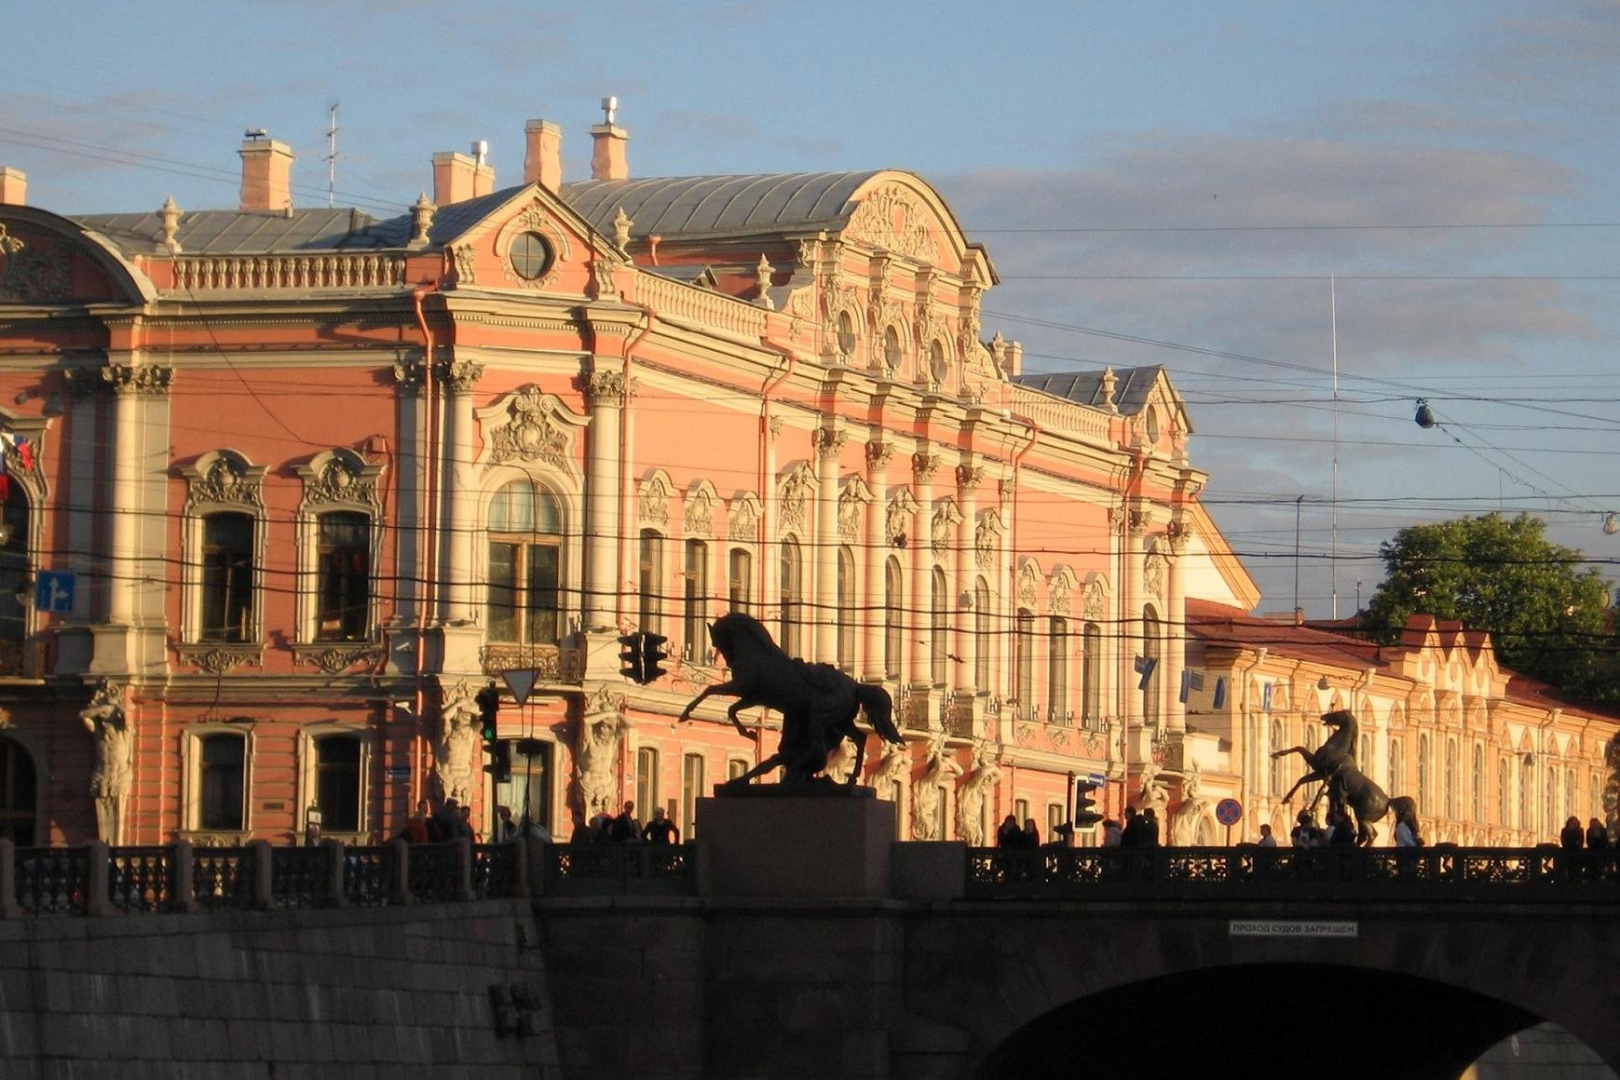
{"x": 964, "y": 642}
{"x": 878, "y": 453}
{"x": 604, "y": 533}
{"x": 1130, "y": 614}
{"x": 918, "y": 617}
{"x": 459, "y": 498}
{"x": 827, "y": 443}
{"x": 1175, "y": 625}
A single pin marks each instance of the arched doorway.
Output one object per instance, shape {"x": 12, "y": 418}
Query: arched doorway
{"x": 18, "y": 810}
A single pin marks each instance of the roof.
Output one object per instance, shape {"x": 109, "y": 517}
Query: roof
{"x": 676, "y": 206}
{"x": 235, "y": 232}
{"x": 1085, "y": 387}
{"x": 1220, "y": 624}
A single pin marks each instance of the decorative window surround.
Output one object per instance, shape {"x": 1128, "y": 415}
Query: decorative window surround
{"x": 220, "y": 481}
{"x": 191, "y": 740}
{"x": 335, "y": 480}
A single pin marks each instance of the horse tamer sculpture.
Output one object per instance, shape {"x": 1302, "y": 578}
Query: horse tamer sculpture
{"x": 818, "y": 702}
{"x": 1333, "y": 764}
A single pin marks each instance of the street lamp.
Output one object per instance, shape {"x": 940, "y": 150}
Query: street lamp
{"x": 1425, "y": 415}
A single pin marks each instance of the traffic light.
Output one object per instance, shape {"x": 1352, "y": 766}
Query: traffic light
{"x": 653, "y": 654}
{"x": 1085, "y": 812}
{"x": 633, "y": 665}
{"x": 488, "y": 701}
{"x": 500, "y": 762}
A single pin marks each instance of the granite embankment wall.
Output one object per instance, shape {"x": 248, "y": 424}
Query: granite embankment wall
{"x": 358, "y": 993}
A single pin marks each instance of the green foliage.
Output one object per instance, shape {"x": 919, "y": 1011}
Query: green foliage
{"x": 1547, "y": 617}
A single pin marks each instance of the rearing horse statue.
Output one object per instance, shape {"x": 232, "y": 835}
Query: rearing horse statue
{"x": 1325, "y": 760}
{"x": 818, "y": 702}
{"x": 1346, "y": 786}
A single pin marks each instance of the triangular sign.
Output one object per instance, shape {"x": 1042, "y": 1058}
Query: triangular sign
{"x": 521, "y": 682}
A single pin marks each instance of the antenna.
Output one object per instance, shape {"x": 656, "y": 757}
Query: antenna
{"x": 331, "y": 153}
{"x": 1333, "y": 527}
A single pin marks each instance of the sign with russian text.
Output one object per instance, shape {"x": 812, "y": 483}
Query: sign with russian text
{"x": 1297, "y": 928}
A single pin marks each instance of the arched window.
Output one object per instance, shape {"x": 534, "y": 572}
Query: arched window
{"x": 1397, "y": 770}
{"x": 740, "y": 579}
{"x": 1279, "y": 766}
{"x": 695, "y": 601}
{"x": 894, "y": 586}
{"x": 646, "y": 781}
{"x": 650, "y": 579}
{"x": 893, "y": 357}
{"x": 18, "y": 794}
{"x": 343, "y": 576}
{"x": 1091, "y": 676}
{"x": 1024, "y": 664}
{"x": 221, "y": 783}
{"x": 525, "y": 565}
{"x": 692, "y": 768}
{"x": 227, "y": 578}
{"x": 1476, "y": 785}
{"x": 1527, "y": 783}
{"x": 939, "y": 626}
{"x": 938, "y": 369}
{"x": 982, "y": 631}
{"x": 1448, "y": 780}
{"x": 1549, "y": 794}
{"x": 1571, "y": 794}
{"x": 1503, "y": 782}
{"x": 15, "y": 598}
{"x": 846, "y": 608}
{"x": 1057, "y": 670}
{"x": 1425, "y": 806}
{"x": 1151, "y": 647}
{"x": 338, "y": 782}
{"x": 792, "y": 584}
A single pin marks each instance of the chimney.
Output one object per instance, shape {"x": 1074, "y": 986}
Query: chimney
{"x": 543, "y": 160}
{"x": 608, "y": 160}
{"x": 13, "y": 186}
{"x": 459, "y": 177}
{"x": 266, "y": 173}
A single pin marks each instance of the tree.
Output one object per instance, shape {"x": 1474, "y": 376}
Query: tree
{"x": 1547, "y": 617}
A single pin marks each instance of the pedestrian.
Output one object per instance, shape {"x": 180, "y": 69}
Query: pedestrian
{"x": 505, "y": 828}
{"x": 660, "y": 830}
{"x": 1008, "y": 834}
{"x": 1111, "y": 833}
{"x": 1597, "y": 837}
{"x": 464, "y": 826}
{"x": 1150, "y": 828}
{"x": 1573, "y": 838}
{"x": 1341, "y": 831}
{"x": 444, "y": 826}
{"x": 1134, "y": 834}
{"x": 1406, "y": 832}
{"x": 416, "y": 826}
{"x": 1032, "y": 836}
{"x": 1266, "y": 839}
{"x": 1305, "y": 833}
{"x": 625, "y": 829}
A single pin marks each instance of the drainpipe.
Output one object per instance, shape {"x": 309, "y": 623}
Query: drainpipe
{"x": 428, "y": 546}
{"x": 1012, "y": 562}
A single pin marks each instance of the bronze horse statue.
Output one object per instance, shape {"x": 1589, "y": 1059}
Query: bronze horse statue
{"x": 1347, "y": 788}
{"x": 818, "y": 702}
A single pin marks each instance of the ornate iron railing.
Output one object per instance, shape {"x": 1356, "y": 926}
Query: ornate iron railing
{"x": 300, "y": 877}
{"x": 620, "y": 870}
{"x": 495, "y": 871}
{"x": 1438, "y": 874}
{"x": 53, "y": 881}
{"x": 221, "y": 878}
{"x": 139, "y": 879}
{"x": 434, "y": 871}
{"x": 368, "y": 876}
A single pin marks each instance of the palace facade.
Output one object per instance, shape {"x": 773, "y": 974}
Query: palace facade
{"x": 287, "y": 487}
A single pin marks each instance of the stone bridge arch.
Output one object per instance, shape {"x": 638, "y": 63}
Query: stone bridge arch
{"x": 1007, "y": 976}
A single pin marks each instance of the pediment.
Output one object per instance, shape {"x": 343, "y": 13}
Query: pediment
{"x": 533, "y": 243}
{"x": 48, "y": 259}
{"x": 899, "y": 213}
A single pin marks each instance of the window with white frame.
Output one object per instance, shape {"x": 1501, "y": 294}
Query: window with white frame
{"x": 228, "y": 591}
{"x": 983, "y": 639}
{"x": 692, "y": 780}
{"x": 650, "y": 579}
{"x": 791, "y": 577}
{"x": 939, "y": 645}
{"x": 1152, "y": 646}
{"x": 1057, "y": 668}
{"x": 525, "y": 565}
{"x": 334, "y": 762}
{"x": 337, "y": 547}
{"x": 845, "y": 612}
{"x": 894, "y": 586}
{"x": 218, "y": 778}
{"x": 695, "y": 601}
{"x": 1091, "y": 675}
{"x": 1024, "y": 664}
{"x": 224, "y": 525}
{"x": 740, "y": 579}
{"x": 646, "y": 781}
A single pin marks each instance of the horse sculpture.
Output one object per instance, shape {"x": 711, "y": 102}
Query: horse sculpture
{"x": 1348, "y": 789}
{"x": 818, "y": 702}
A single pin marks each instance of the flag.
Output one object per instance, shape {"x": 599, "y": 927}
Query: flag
{"x": 1265, "y": 697}
{"x": 1220, "y": 692}
{"x": 1144, "y": 668}
{"x": 25, "y": 453}
{"x": 1186, "y": 685}
{"x": 1197, "y": 680}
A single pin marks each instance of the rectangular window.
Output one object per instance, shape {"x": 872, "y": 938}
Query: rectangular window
{"x": 791, "y": 587}
{"x": 1091, "y": 676}
{"x": 227, "y": 578}
{"x": 1057, "y": 670}
{"x": 646, "y": 781}
{"x": 735, "y": 768}
{"x": 528, "y": 793}
{"x": 337, "y": 782}
{"x": 343, "y": 577}
{"x": 1024, "y": 665}
{"x": 939, "y": 645}
{"x": 220, "y": 788}
{"x": 694, "y": 620}
{"x": 541, "y": 593}
{"x": 650, "y": 579}
{"x": 739, "y": 579}
{"x": 503, "y": 591}
{"x": 691, "y": 792}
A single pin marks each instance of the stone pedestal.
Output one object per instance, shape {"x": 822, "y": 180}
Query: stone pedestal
{"x": 767, "y": 843}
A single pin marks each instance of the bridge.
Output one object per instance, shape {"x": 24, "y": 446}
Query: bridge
{"x": 797, "y": 941}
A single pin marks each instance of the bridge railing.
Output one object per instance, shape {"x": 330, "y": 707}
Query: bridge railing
{"x": 101, "y": 880}
{"x": 1439, "y": 874}
{"x": 620, "y": 870}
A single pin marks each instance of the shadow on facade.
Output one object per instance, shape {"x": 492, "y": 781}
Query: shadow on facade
{"x": 1263, "y": 1020}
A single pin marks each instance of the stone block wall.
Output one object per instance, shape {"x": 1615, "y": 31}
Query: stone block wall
{"x": 361, "y": 993}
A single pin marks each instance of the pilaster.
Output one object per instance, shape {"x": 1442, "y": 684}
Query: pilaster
{"x": 459, "y": 378}
{"x": 878, "y": 453}
{"x": 607, "y": 393}
{"x": 923, "y": 466}
{"x": 828, "y": 442}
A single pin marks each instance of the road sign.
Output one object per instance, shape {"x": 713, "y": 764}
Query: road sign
{"x": 1228, "y": 812}
{"x": 521, "y": 682}
{"x": 53, "y": 591}
{"x": 399, "y": 772}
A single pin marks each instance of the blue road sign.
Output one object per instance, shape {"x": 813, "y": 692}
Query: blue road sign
{"x": 53, "y": 591}
{"x": 1229, "y": 812}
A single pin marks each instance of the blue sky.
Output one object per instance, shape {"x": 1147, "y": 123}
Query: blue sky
{"x": 1186, "y": 175}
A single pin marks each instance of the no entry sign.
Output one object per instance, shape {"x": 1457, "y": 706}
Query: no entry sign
{"x": 1228, "y": 812}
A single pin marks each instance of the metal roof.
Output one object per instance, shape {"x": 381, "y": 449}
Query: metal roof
{"x": 673, "y": 206}
{"x": 234, "y": 232}
{"x": 1085, "y": 387}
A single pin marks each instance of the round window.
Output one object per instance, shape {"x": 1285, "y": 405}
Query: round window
{"x": 846, "y": 334}
{"x": 531, "y": 255}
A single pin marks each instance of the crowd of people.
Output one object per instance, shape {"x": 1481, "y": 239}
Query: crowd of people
{"x": 453, "y": 821}
{"x": 624, "y": 828}
{"x": 1593, "y": 838}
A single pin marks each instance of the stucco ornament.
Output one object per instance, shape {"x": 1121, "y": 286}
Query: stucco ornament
{"x": 698, "y": 518}
{"x": 894, "y": 219}
{"x": 892, "y": 772}
{"x": 596, "y": 750}
{"x": 970, "y": 800}
{"x": 744, "y": 520}
{"x": 32, "y": 274}
{"x": 456, "y": 755}
{"x": 851, "y": 502}
{"x": 796, "y": 490}
{"x": 530, "y": 433}
{"x": 942, "y": 530}
{"x": 926, "y": 792}
{"x": 897, "y": 517}
{"x": 1193, "y": 809}
{"x": 1153, "y": 568}
{"x": 987, "y": 535}
{"x": 110, "y": 776}
{"x": 653, "y": 503}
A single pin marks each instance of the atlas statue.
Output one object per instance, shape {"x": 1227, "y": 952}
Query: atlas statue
{"x": 818, "y": 702}
{"x": 1348, "y": 789}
